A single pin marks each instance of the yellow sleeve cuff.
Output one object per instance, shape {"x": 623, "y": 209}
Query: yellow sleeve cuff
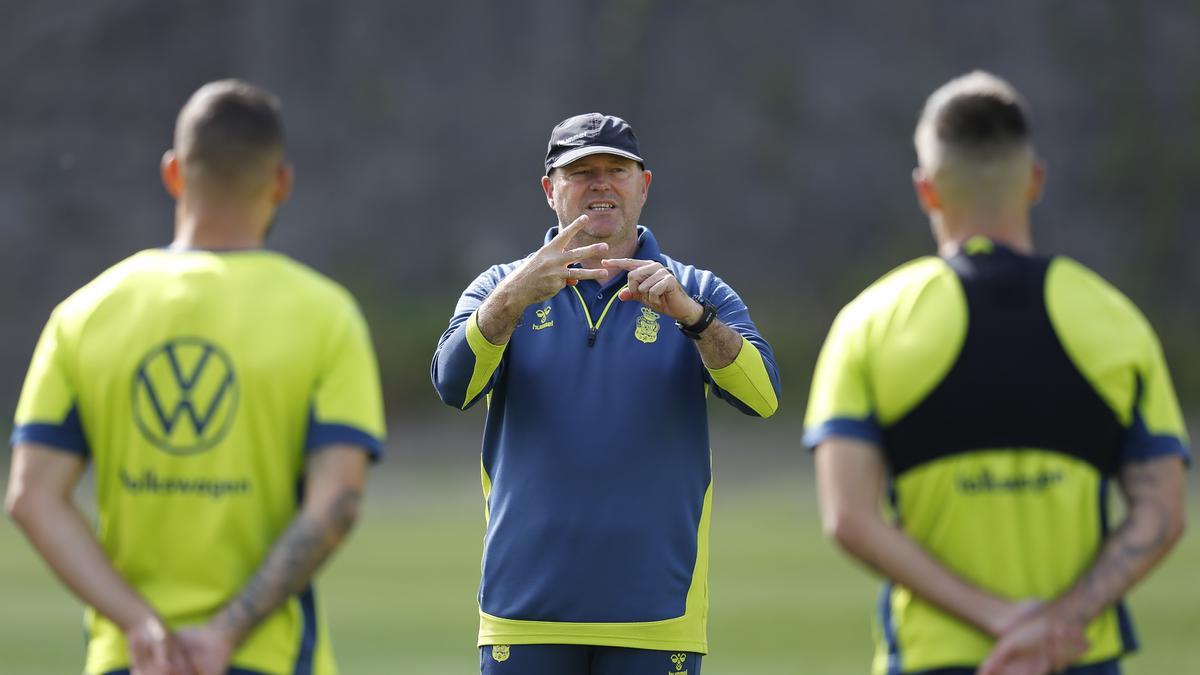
{"x": 487, "y": 358}
{"x": 747, "y": 379}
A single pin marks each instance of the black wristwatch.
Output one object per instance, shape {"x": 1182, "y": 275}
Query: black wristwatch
{"x": 706, "y": 318}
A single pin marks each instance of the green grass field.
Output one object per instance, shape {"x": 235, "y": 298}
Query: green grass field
{"x": 400, "y": 596}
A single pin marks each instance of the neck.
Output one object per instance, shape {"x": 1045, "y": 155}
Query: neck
{"x": 217, "y": 226}
{"x": 1010, "y": 230}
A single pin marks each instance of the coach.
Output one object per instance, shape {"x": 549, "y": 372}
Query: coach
{"x": 596, "y": 354}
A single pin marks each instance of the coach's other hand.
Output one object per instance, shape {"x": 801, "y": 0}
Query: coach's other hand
{"x": 655, "y": 287}
{"x": 548, "y": 271}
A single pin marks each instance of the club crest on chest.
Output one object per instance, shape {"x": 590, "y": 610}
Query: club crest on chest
{"x": 646, "y": 329}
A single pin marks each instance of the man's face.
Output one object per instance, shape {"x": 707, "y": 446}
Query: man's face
{"x": 610, "y": 189}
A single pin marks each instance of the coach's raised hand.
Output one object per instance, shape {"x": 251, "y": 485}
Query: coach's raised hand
{"x": 655, "y": 287}
{"x": 542, "y": 275}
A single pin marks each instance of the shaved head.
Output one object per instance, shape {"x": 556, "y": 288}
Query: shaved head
{"x": 974, "y": 140}
{"x": 229, "y": 138}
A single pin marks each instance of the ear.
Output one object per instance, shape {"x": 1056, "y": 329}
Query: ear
{"x": 171, "y": 177}
{"x": 1038, "y": 182}
{"x": 927, "y": 195}
{"x": 284, "y": 178}
{"x": 548, "y": 188}
{"x": 646, "y": 176}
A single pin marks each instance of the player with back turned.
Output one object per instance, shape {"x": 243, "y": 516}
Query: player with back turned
{"x": 993, "y": 394}
{"x": 228, "y": 399}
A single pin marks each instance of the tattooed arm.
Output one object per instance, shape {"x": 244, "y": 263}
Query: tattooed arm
{"x": 333, "y": 491}
{"x": 1154, "y": 492}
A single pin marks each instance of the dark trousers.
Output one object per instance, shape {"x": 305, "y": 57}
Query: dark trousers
{"x": 584, "y": 660}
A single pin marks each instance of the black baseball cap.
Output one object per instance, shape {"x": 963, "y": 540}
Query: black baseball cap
{"x": 591, "y": 134}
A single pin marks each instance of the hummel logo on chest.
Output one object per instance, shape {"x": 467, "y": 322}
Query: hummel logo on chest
{"x": 543, "y": 316}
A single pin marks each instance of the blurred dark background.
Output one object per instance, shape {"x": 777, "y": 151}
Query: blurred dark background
{"x": 779, "y": 135}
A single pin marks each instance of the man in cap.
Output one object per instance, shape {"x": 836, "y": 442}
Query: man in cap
{"x": 992, "y": 394}
{"x": 229, "y": 402}
{"x": 596, "y": 354}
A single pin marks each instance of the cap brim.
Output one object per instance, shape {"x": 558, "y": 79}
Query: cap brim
{"x": 572, "y": 155}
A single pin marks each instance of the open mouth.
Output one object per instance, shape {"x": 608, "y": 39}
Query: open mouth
{"x": 601, "y": 207}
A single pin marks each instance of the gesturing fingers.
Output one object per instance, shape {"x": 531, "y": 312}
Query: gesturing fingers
{"x": 623, "y": 263}
{"x": 659, "y": 290}
{"x": 657, "y": 279}
{"x": 639, "y": 270}
{"x": 566, "y": 234}
{"x": 574, "y": 274}
{"x": 584, "y": 252}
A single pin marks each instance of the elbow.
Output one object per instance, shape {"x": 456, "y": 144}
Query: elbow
{"x": 347, "y": 519}
{"x": 449, "y": 398}
{"x": 337, "y": 520}
{"x": 445, "y": 390}
{"x": 771, "y": 400}
{"x": 346, "y": 511}
{"x": 767, "y": 404}
{"x": 1176, "y": 527}
{"x": 18, "y": 504}
{"x": 845, "y": 528}
{"x": 771, "y": 408}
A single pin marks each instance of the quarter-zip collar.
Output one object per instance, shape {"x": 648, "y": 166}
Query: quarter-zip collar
{"x": 605, "y": 294}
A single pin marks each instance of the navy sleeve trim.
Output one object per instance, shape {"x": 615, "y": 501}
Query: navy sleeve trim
{"x": 51, "y": 435}
{"x": 320, "y": 435}
{"x": 66, "y": 435}
{"x": 862, "y": 429}
{"x": 1141, "y": 445}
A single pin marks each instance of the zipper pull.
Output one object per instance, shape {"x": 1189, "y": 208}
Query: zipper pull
{"x": 592, "y": 336}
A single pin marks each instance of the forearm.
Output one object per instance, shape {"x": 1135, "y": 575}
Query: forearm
{"x": 290, "y": 565}
{"x": 851, "y": 475}
{"x": 1151, "y": 529}
{"x": 893, "y": 554}
{"x": 61, "y": 534}
{"x": 719, "y": 345}
{"x": 499, "y": 313}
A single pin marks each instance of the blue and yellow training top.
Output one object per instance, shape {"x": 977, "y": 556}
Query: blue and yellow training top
{"x": 596, "y": 464}
{"x": 196, "y": 382}
{"x": 1005, "y": 391}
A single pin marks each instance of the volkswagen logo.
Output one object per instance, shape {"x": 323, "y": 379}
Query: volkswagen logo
{"x": 185, "y": 395}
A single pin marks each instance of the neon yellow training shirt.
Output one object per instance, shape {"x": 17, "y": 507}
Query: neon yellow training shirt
{"x": 1005, "y": 392}
{"x": 197, "y": 382}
